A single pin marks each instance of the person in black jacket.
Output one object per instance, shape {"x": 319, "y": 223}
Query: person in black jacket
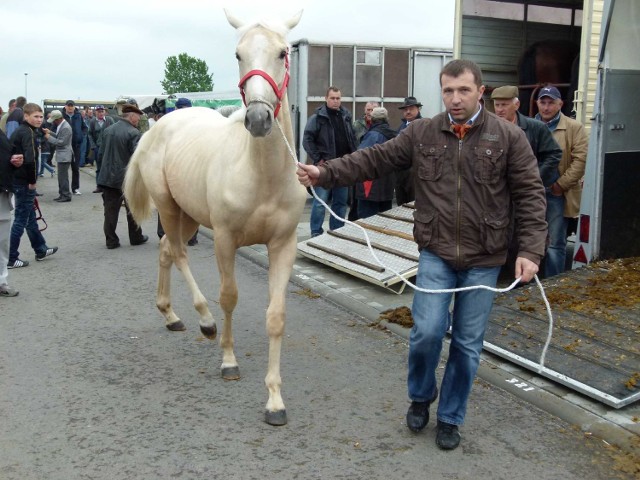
{"x": 329, "y": 134}
{"x": 119, "y": 141}
{"x": 72, "y": 115}
{"x": 8, "y": 163}
{"x": 23, "y": 142}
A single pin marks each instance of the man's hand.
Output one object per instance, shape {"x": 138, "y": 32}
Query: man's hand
{"x": 16, "y": 160}
{"x": 32, "y": 186}
{"x": 526, "y": 269}
{"x": 556, "y": 190}
{"x": 308, "y": 174}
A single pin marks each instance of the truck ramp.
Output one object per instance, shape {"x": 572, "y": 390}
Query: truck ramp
{"x": 595, "y": 348}
{"x": 391, "y": 236}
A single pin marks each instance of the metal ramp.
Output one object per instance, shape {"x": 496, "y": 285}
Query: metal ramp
{"x": 593, "y": 351}
{"x": 391, "y": 235}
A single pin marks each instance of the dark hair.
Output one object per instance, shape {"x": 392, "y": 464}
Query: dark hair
{"x": 20, "y": 102}
{"x": 332, "y": 88}
{"x": 12, "y": 102}
{"x": 455, "y": 68}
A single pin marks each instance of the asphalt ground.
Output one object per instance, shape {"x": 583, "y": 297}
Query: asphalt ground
{"x": 619, "y": 427}
{"x": 93, "y": 386}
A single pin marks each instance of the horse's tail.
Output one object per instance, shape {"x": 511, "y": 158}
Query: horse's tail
{"x": 135, "y": 190}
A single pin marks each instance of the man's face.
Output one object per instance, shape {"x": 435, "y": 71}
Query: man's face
{"x": 69, "y": 109}
{"x": 506, "y": 108}
{"x": 34, "y": 119}
{"x": 334, "y": 99}
{"x": 134, "y": 118}
{"x": 89, "y": 113}
{"x": 100, "y": 114}
{"x": 368, "y": 108}
{"x": 410, "y": 113}
{"x": 461, "y": 95}
{"x": 548, "y": 108}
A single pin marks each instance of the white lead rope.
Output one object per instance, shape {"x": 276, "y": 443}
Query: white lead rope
{"x": 426, "y": 290}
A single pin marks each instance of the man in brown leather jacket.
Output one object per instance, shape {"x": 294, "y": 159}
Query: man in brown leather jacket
{"x": 468, "y": 166}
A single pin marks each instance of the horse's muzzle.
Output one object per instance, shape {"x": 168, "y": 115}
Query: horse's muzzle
{"x": 259, "y": 119}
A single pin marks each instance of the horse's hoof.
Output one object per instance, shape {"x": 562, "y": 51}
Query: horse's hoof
{"x": 231, "y": 373}
{"x": 277, "y": 418}
{"x": 176, "y": 326}
{"x": 209, "y": 332}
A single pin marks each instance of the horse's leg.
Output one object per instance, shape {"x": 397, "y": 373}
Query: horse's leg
{"x": 174, "y": 248}
{"x": 281, "y": 257}
{"x": 163, "y": 295}
{"x": 225, "y": 249}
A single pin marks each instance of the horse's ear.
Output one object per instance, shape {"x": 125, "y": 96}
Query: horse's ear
{"x": 293, "y": 21}
{"x": 233, "y": 21}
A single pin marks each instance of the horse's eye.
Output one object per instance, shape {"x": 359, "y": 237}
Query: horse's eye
{"x": 283, "y": 54}
{"x": 237, "y": 57}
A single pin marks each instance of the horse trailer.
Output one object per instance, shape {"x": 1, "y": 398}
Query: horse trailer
{"x": 532, "y": 42}
{"x": 364, "y": 73}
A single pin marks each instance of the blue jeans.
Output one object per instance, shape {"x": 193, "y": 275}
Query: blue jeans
{"x": 83, "y": 151}
{"x": 25, "y": 219}
{"x": 557, "y": 223}
{"x": 431, "y": 319}
{"x": 339, "y": 197}
{"x": 43, "y": 163}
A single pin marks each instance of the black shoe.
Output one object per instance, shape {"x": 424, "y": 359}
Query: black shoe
{"x": 418, "y": 414}
{"x": 141, "y": 241}
{"x": 46, "y": 253}
{"x": 447, "y": 436}
{"x": 115, "y": 245}
{"x": 61, "y": 199}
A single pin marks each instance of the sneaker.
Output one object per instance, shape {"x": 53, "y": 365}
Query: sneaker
{"x": 48, "y": 252}
{"x": 17, "y": 263}
{"x": 447, "y": 436}
{"x": 7, "y": 291}
{"x": 418, "y": 414}
{"x": 77, "y": 192}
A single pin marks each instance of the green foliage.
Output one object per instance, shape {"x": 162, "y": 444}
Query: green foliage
{"x": 186, "y": 74}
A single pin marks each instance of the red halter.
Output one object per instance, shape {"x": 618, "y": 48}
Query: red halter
{"x": 278, "y": 91}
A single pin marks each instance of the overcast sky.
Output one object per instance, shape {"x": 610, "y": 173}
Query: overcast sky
{"x": 99, "y": 50}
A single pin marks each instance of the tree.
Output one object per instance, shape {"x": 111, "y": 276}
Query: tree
{"x": 186, "y": 74}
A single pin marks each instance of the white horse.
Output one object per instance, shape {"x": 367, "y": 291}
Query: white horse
{"x": 203, "y": 169}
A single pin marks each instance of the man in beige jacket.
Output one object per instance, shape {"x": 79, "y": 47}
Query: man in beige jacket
{"x": 572, "y": 138}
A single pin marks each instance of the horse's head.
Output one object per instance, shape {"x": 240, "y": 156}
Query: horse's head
{"x": 263, "y": 58}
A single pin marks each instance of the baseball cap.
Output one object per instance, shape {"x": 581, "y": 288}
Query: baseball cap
{"x": 551, "y": 92}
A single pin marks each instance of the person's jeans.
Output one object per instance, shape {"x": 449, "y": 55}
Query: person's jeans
{"x": 83, "y": 151}
{"x": 44, "y": 157}
{"x": 557, "y": 224}
{"x": 339, "y": 197}
{"x": 431, "y": 320}
{"x": 25, "y": 219}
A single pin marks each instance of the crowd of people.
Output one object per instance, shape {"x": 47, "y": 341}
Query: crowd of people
{"x": 61, "y": 144}
{"x": 511, "y": 181}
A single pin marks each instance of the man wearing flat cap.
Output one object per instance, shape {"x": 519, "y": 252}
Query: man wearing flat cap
{"x": 119, "y": 141}
{"x": 61, "y": 137}
{"x": 572, "y": 138}
{"x": 548, "y": 154}
{"x": 404, "y": 188}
